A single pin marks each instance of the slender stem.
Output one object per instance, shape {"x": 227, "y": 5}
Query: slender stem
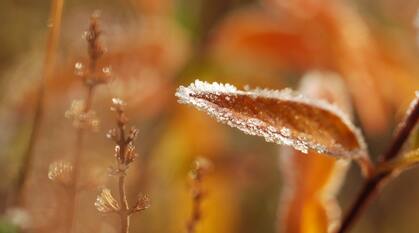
{"x": 196, "y": 214}
{"x": 364, "y": 197}
{"x": 404, "y": 130}
{"x": 73, "y": 190}
{"x": 49, "y": 62}
{"x": 373, "y": 184}
{"x": 124, "y": 155}
{"x": 95, "y": 51}
{"x": 124, "y": 212}
{"x": 198, "y": 194}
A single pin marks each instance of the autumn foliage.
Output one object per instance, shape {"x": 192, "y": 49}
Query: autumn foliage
{"x": 101, "y": 133}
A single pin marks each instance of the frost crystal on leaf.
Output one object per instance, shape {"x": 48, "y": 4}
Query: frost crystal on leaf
{"x": 283, "y": 117}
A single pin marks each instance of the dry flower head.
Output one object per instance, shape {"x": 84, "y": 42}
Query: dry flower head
{"x": 81, "y": 118}
{"x": 106, "y": 203}
{"x": 61, "y": 172}
{"x": 143, "y": 203}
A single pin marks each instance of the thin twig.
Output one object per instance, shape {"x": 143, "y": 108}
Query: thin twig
{"x": 373, "y": 184}
{"x": 197, "y": 175}
{"x": 124, "y": 212}
{"x": 123, "y": 144}
{"x": 124, "y": 154}
{"x": 90, "y": 81}
{"x": 49, "y": 62}
{"x": 73, "y": 189}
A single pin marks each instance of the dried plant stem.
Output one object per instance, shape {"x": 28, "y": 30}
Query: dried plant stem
{"x": 48, "y": 67}
{"x": 197, "y": 174}
{"x": 73, "y": 189}
{"x": 373, "y": 184}
{"x": 90, "y": 81}
{"x": 124, "y": 212}
{"x": 196, "y": 213}
{"x": 124, "y": 154}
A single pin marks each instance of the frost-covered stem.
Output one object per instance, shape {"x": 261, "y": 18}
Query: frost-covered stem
{"x": 124, "y": 212}
{"x": 78, "y": 151}
{"x": 49, "y": 61}
{"x": 197, "y": 176}
{"x": 95, "y": 51}
{"x": 373, "y": 184}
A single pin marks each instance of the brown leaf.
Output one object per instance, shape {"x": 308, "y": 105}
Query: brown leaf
{"x": 283, "y": 117}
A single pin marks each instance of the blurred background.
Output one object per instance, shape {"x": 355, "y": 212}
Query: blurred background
{"x": 153, "y": 46}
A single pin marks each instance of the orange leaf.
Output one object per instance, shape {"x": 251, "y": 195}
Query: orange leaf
{"x": 283, "y": 117}
{"x": 255, "y": 37}
{"x": 308, "y": 202}
{"x": 311, "y": 182}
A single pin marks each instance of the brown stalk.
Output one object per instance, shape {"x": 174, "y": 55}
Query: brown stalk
{"x": 197, "y": 175}
{"x": 76, "y": 172}
{"x": 124, "y": 154}
{"x": 123, "y": 144}
{"x": 95, "y": 51}
{"x": 48, "y": 67}
{"x": 124, "y": 212}
{"x": 376, "y": 181}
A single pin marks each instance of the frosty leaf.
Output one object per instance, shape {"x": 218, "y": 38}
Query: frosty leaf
{"x": 283, "y": 117}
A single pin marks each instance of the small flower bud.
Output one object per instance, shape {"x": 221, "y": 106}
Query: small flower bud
{"x": 133, "y": 133}
{"x": 130, "y": 154}
{"x": 118, "y": 104}
{"x": 201, "y": 166}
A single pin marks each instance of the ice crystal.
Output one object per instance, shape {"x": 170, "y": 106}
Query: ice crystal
{"x": 284, "y": 117}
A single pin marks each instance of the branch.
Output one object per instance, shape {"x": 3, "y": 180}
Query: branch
{"x": 82, "y": 119}
{"x": 197, "y": 175}
{"x": 373, "y": 184}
